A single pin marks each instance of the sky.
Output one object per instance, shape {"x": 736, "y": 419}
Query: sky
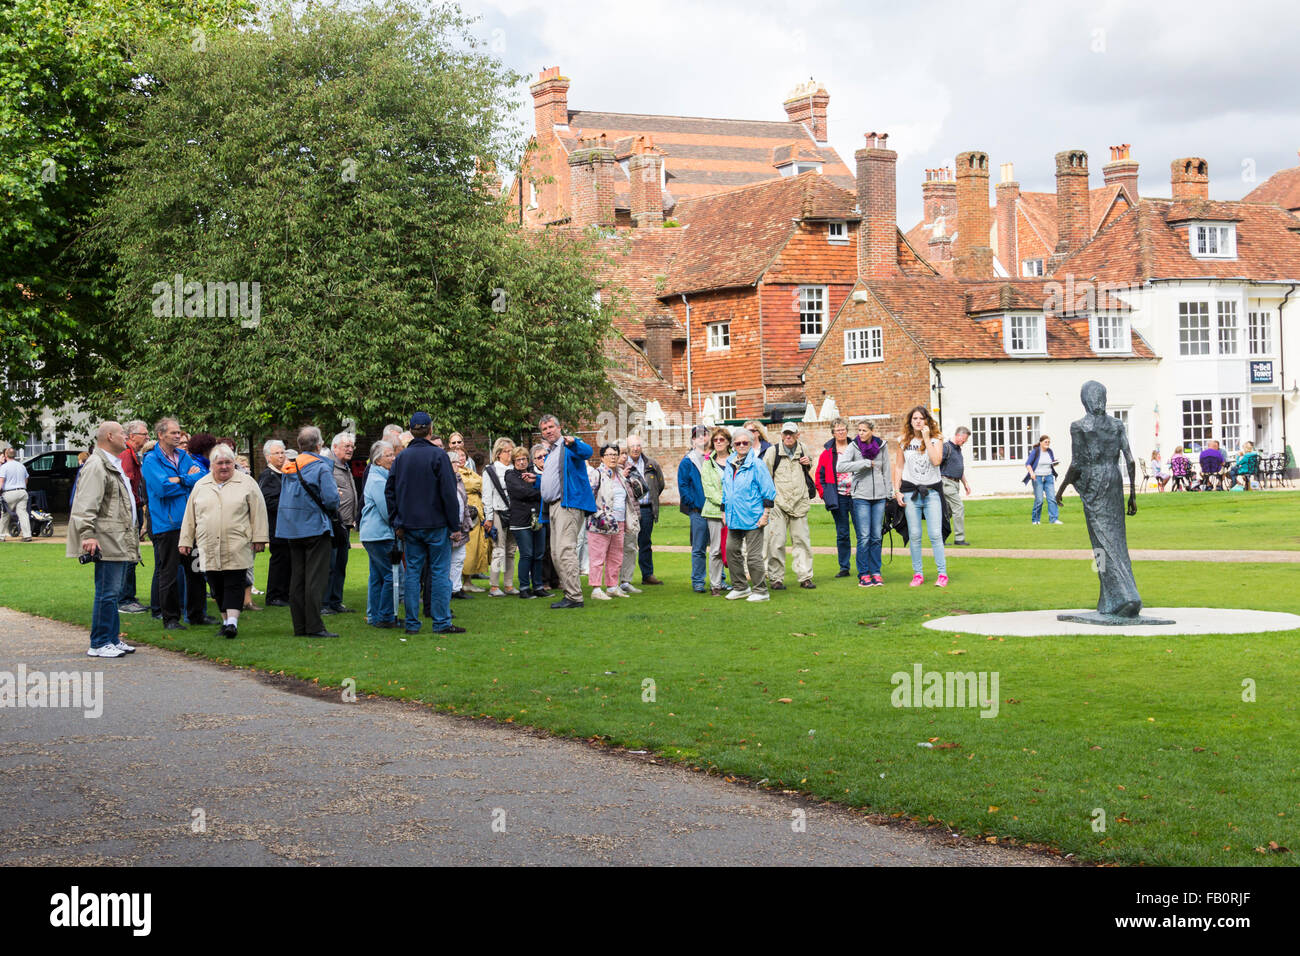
{"x": 1018, "y": 80}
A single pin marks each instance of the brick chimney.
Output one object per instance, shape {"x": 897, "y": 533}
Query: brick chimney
{"x": 550, "y": 102}
{"x": 1189, "y": 178}
{"x": 807, "y": 104}
{"x": 1122, "y": 171}
{"x": 939, "y": 197}
{"x": 659, "y": 343}
{"x": 591, "y": 184}
{"x": 974, "y": 256}
{"x": 1008, "y": 193}
{"x": 645, "y": 170}
{"x": 878, "y": 201}
{"x": 1073, "y": 212}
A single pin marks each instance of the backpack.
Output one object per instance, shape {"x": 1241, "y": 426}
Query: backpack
{"x": 778, "y": 458}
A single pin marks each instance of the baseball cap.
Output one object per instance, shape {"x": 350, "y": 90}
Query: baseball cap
{"x": 421, "y": 420}
{"x": 791, "y": 427}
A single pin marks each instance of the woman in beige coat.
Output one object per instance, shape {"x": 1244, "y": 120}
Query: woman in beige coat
{"x": 225, "y": 523}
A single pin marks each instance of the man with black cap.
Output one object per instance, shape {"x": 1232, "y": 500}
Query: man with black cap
{"x": 424, "y": 509}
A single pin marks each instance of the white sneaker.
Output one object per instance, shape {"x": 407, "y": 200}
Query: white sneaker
{"x": 759, "y": 596}
{"x": 496, "y": 592}
{"x": 124, "y": 647}
{"x": 737, "y": 595}
{"x": 627, "y": 588}
{"x": 108, "y": 650}
{"x": 600, "y": 595}
{"x": 1058, "y": 521}
{"x": 617, "y": 592}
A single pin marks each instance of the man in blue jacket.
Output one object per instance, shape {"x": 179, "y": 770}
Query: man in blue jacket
{"x": 567, "y": 492}
{"x": 747, "y": 497}
{"x": 424, "y": 510}
{"x": 309, "y": 500}
{"x": 690, "y": 488}
{"x": 169, "y": 476}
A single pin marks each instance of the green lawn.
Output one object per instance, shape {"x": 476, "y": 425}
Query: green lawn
{"x": 1228, "y": 521}
{"x": 1153, "y": 731}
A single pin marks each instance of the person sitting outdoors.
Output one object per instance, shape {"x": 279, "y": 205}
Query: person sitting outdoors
{"x": 1158, "y": 471}
{"x": 1180, "y": 469}
{"x": 1247, "y": 464}
{"x": 1212, "y": 462}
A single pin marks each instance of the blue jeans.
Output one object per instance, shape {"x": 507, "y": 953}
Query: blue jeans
{"x": 532, "y": 551}
{"x": 843, "y": 514}
{"x": 104, "y": 620}
{"x": 869, "y": 519}
{"x": 379, "y": 598}
{"x": 428, "y": 559}
{"x": 699, "y": 550}
{"x": 931, "y": 506}
{"x": 1044, "y": 486}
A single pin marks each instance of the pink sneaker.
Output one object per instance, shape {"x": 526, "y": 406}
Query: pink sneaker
{"x": 877, "y": 580}
{"x": 942, "y": 582}
{"x": 917, "y": 580}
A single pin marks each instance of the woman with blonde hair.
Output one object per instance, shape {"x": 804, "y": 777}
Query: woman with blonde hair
{"x": 496, "y": 518}
{"x": 918, "y": 488}
{"x": 760, "y": 437}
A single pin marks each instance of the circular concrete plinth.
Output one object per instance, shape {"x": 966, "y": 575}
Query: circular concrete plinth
{"x": 1187, "y": 620}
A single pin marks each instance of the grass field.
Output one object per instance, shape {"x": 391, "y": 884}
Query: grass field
{"x": 1225, "y": 521}
{"x": 1152, "y": 731}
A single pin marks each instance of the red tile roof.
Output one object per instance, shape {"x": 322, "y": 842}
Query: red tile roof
{"x": 1146, "y": 243}
{"x": 943, "y": 316}
{"x": 1281, "y": 189}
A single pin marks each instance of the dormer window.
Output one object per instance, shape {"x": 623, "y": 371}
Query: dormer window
{"x": 794, "y": 169}
{"x": 1024, "y": 334}
{"x": 1111, "y": 333}
{"x": 1031, "y": 267}
{"x": 1212, "y": 240}
{"x": 837, "y": 232}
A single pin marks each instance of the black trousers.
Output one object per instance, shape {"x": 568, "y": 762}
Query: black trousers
{"x": 228, "y": 586}
{"x": 338, "y": 572}
{"x": 166, "y": 558}
{"x": 277, "y": 577}
{"x": 645, "y": 557}
{"x": 309, "y": 576}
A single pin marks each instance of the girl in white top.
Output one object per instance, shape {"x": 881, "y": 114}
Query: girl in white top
{"x": 918, "y": 488}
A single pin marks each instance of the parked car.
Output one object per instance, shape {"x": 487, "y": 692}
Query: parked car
{"x": 53, "y": 473}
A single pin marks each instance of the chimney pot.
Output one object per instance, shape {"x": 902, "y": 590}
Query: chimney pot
{"x": 808, "y": 103}
{"x": 1122, "y": 171}
{"x": 550, "y": 102}
{"x": 1073, "y": 211}
{"x": 591, "y": 184}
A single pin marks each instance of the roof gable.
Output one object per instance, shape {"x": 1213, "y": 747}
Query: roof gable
{"x": 1281, "y": 189}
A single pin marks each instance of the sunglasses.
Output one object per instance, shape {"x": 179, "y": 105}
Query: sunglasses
{"x": 739, "y": 444}
{"x": 539, "y": 458}
{"x": 719, "y": 440}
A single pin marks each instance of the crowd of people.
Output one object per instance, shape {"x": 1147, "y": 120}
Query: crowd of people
{"x": 1217, "y": 473}
{"x": 536, "y": 520}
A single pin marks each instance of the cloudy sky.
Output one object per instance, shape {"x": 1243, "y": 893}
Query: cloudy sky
{"x": 1020, "y": 80}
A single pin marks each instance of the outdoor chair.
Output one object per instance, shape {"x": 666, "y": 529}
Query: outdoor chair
{"x": 1146, "y": 475}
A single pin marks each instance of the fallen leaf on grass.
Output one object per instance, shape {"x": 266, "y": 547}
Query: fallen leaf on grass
{"x": 785, "y": 700}
{"x": 957, "y": 651}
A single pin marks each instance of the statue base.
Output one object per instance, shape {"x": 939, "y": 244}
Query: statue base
{"x": 1112, "y": 620}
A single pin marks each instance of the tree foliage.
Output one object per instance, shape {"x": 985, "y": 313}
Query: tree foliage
{"x": 62, "y": 63}
{"x": 340, "y": 160}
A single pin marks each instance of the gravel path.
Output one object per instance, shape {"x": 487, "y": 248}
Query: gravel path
{"x": 279, "y": 774}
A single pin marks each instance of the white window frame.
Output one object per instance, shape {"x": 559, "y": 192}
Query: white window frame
{"x": 1039, "y": 326}
{"x": 725, "y": 401}
{"x": 837, "y": 232}
{"x": 1230, "y": 423}
{"x": 1194, "y": 334}
{"x": 1212, "y": 240}
{"x": 532, "y": 195}
{"x": 1104, "y": 326}
{"x": 1227, "y": 334}
{"x": 809, "y": 340}
{"x": 719, "y": 336}
{"x": 864, "y": 345}
{"x": 1031, "y": 268}
{"x": 1259, "y": 333}
{"x": 1015, "y": 432}
{"x": 1197, "y": 420}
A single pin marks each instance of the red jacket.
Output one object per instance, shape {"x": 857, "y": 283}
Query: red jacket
{"x": 131, "y": 465}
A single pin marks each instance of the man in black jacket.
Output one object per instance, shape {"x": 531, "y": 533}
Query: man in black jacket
{"x": 424, "y": 509}
{"x": 652, "y": 476}
{"x": 277, "y": 576}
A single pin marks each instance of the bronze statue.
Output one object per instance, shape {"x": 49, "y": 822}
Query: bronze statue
{"x": 1097, "y": 440}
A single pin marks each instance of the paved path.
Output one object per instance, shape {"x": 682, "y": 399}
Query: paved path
{"x": 283, "y": 776}
{"x": 1137, "y": 554}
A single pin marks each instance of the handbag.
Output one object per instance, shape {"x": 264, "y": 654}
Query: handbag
{"x": 603, "y": 521}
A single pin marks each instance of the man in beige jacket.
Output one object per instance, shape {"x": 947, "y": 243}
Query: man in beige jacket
{"x": 102, "y": 531}
{"x": 225, "y": 522}
{"x": 788, "y": 464}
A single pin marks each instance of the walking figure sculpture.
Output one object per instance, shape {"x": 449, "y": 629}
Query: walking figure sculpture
{"x": 1096, "y": 442}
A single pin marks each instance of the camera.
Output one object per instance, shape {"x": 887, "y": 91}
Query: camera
{"x": 86, "y": 557}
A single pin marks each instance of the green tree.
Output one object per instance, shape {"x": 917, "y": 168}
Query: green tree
{"x": 340, "y": 160}
{"x": 62, "y": 63}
